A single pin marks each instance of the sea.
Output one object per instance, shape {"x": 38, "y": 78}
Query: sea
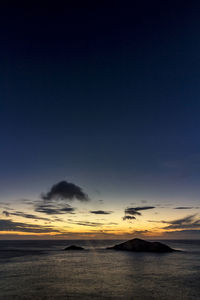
{"x": 43, "y": 270}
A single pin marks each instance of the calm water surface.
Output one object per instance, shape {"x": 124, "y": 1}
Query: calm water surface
{"x": 42, "y": 270}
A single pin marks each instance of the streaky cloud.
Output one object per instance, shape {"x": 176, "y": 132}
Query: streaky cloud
{"x": 188, "y": 222}
{"x": 186, "y": 207}
{"x": 100, "y": 212}
{"x": 24, "y": 215}
{"x": 86, "y": 223}
{"x": 54, "y": 209}
{"x": 9, "y": 225}
{"x": 143, "y": 207}
{"x": 135, "y": 211}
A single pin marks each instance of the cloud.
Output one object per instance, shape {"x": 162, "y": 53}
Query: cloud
{"x": 9, "y": 225}
{"x": 93, "y": 224}
{"x": 24, "y": 215}
{"x": 143, "y": 207}
{"x": 86, "y": 223}
{"x": 187, "y": 219}
{"x": 100, "y": 212}
{"x": 90, "y": 224}
{"x": 135, "y": 211}
{"x": 128, "y": 218}
{"x": 53, "y": 209}
{"x": 64, "y": 190}
{"x": 54, "y": 201}
{"x": 189, "y": 222}
{"x": 131, "y": 211}
{"x": 185, "y": 207}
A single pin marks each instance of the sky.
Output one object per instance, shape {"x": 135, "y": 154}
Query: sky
{"x": 99, "y": 120}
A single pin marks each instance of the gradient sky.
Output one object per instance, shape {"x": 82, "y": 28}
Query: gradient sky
{"x": 107, "y": 97}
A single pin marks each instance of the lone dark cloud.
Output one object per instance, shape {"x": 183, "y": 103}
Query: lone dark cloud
{"x": 64, "y": 190}
{"x": 100, "y": 212}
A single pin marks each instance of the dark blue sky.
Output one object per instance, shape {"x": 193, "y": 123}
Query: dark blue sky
{"x": 106, "y": 96}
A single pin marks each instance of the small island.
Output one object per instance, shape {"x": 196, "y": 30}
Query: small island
{"x": 139, "y": 245}
{"x": 74, "y": 247}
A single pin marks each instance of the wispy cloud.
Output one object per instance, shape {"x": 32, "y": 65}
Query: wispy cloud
{"x": 24, "y": 215}
{"x": 186, "y": 207}
{"x": 90, "y": 224}
{"x": 9, "y": 225}
{"x": 188, "y": 222}
{"x": 86, "y": 223}
{"x": 100, "y": 212}
{"x": 53, "y": 208}
{"x": 135, "y": 211}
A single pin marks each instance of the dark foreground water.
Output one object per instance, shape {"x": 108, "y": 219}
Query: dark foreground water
{"x": 41, "y": 270}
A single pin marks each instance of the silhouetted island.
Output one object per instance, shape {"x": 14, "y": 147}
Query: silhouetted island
{"x": 74, "y": 247}
{"x": 138, "y": 245}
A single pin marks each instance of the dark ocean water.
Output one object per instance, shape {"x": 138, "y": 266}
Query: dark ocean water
{"x": 42, "y": 270}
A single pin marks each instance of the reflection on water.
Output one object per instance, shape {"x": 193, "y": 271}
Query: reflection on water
{"x": 41, "y": 270}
